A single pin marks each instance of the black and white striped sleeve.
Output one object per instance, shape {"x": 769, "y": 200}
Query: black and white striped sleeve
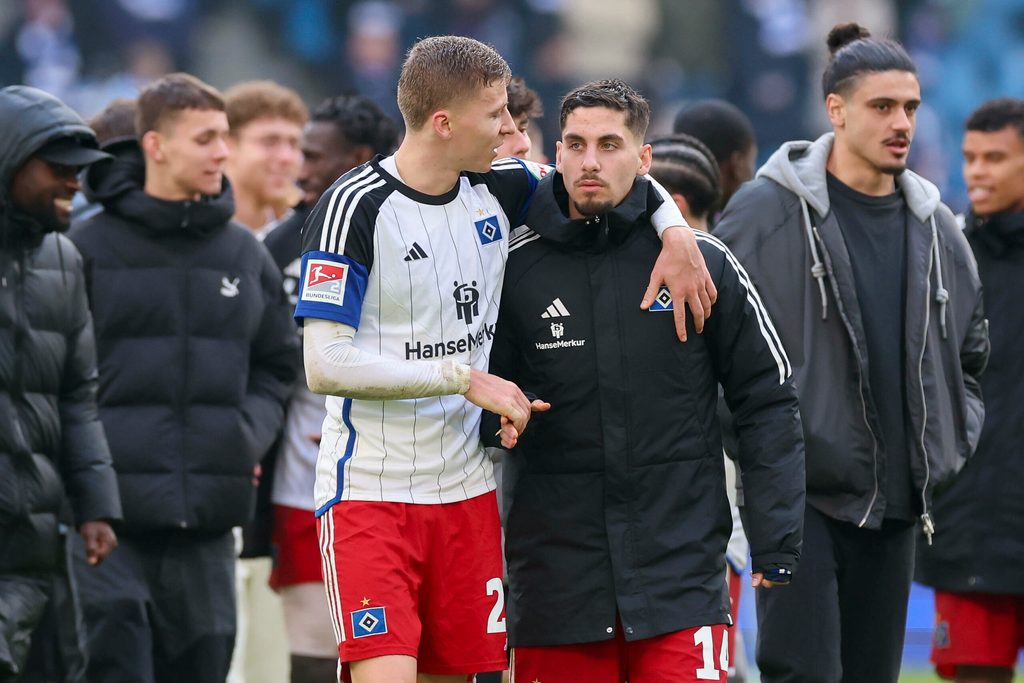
{"x": 337, "y": 248}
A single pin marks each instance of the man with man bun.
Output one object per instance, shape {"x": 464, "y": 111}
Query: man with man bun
{"x": 878, "y": 304}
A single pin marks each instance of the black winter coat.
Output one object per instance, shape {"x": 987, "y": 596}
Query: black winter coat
{"x": 197, "y": 349}
{"x": 979, "y": 545}
{"x": 782, "y": 228}
{"x": 618, "y": 500}
{"x": 51, "y": 442}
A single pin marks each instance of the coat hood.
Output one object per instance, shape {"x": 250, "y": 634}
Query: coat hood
{"x": 799, "y": 166}
{"x": 549, "y": 215}
{"x": 29, "y": 119}
{"x": 118, "y": 185}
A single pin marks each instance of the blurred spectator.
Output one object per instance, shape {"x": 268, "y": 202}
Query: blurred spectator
{"x": 196, "y": 356}
{"x": 687, "y": 169}
{"x": 343, "y": 132}
{"x": 975, "y": 563}
{"x": 729, "y": 135}
{"x": 266, "y": 121}
{"x": 55, "y": 465}
{"x": 374, "y": 52}
{"x": 46, "y": 48}
{"x": 524, "y": 106}
{"x": 114, "y": 126}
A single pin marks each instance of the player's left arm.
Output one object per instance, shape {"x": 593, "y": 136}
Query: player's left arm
{"x": 756, "y": 377}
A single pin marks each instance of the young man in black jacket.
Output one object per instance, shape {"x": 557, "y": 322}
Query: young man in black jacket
{"x": 975, "y": 562}
{"x": 618, "y": 522}
{"x": 197, "y": 355}
{"x": 55, "y": 469}
{"x": 879, "y": 305}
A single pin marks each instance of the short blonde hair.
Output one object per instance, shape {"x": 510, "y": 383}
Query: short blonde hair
{"x": 444, "y": 69}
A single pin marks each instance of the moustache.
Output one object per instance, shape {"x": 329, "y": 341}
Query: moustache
{"x": 897, "y": 138}
{"x": 589, "y": 179}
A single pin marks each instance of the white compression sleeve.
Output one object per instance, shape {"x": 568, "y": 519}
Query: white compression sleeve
{"x": 334, "y": 366}
{"x": 667, "y": 215}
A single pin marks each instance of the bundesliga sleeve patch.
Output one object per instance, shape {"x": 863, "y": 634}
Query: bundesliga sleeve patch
{"x": 324, "y": 282}
{"x": 538, "y": 171}
{"x": 331, "y": 287}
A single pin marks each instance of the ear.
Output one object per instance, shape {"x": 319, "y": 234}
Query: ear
{"x": 646, "y": 156}
{"x": 152, "y": 145}
{"x": 558, "y": 156}
{"x": 835, "y": 107}
{"x": 680, "y": 200}
{"x": 361, "y": 154}
{"x": 441, "y": 122}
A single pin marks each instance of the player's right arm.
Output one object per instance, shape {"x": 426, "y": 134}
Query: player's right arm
{"x": 337, "y": 245}
{"x": 335, "y": 366}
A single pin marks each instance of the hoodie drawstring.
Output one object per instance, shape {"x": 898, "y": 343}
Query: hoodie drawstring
{"x": 817, "y": 267}
{"x": 941, "y": 293}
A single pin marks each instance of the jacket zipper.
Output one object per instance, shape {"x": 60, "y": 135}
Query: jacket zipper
{"x": 927, "y": 523}
{"x": 183, "y": 284}
{"x": 860, "y": 388}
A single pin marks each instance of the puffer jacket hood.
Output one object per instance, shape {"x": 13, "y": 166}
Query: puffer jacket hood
{"x": 800, "y": 167}
{"x": 29, "y": 119}
{"x": 118, "y": 185}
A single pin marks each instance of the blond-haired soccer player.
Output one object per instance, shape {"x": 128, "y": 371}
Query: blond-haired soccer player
{"x": 402, "y": 271}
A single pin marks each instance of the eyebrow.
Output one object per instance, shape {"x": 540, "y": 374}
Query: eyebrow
{"x": 608, "y": 137}
{"x": 892, "y": 100}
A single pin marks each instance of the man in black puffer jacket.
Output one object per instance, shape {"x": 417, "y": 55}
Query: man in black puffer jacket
{"x": 52, "y": 447}
{"x": 197, "y": 353}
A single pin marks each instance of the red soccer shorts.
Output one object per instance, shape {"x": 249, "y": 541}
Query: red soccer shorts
{"x": 692, "y": 655}
{"x": 976, "y": 629}
{"x": 417, "y": 580}
{"x": 296, "y": 548}
{"x": 735, "y": 582}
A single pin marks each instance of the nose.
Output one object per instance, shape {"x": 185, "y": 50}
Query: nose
{"x": 520, "y": 144}
{"x": 590, "y": 162}
{"x": 221, "y": 151}
{"x": 508, "y": 124}
{"x": 902, "y": 120}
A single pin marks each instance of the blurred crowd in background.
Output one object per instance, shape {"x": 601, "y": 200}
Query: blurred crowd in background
{"x": 762, "y": 55}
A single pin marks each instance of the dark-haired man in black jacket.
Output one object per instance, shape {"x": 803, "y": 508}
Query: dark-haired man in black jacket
{"x": 619, "y": 519}
{"x": 55, "y": 469}
{"x": 975, "y": 562}
{"x": 197, "y": 354}
{"x": 878, "y": 302}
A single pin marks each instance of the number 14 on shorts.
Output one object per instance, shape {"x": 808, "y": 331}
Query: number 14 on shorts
{"x": 703, "y": 638}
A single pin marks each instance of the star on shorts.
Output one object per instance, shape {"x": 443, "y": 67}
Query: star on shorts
{"x": 366, "y": 602}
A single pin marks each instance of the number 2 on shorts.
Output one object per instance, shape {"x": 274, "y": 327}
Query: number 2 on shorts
{"x": 496, "y": 622}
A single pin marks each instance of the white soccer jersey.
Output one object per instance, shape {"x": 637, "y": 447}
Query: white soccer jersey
{"x": 419, "y": 277}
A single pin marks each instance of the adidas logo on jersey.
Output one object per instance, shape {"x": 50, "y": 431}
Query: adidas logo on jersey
{"x": 556, "y": 310}
{"x": 416, "y": 253}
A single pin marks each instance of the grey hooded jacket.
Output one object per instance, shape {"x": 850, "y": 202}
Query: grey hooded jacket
{"x": 782, "y": 229}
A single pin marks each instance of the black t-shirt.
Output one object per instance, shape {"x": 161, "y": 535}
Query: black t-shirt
{"x": 875, "y": 229}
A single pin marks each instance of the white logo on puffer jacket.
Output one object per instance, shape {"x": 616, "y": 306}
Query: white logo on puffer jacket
{"x": 229, "y": 288}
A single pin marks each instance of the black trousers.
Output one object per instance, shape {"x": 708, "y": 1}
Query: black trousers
{"x": 843, "y": 617}
{"x": 160, "y": 609}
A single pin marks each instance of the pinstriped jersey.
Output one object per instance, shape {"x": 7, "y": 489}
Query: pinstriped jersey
{"x": 419, "y": 277}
